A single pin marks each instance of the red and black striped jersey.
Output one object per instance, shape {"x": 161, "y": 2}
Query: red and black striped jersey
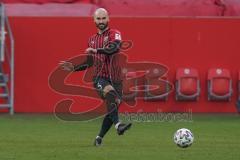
{"x": 105, "y": 66}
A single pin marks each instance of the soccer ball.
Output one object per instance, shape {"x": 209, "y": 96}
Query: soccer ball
{"x": 183, "y": 138}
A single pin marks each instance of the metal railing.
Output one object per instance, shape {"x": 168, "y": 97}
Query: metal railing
{"x": 7, "y": 56}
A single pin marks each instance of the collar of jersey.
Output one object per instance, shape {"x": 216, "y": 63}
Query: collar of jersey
{"x": 104, "y": 31}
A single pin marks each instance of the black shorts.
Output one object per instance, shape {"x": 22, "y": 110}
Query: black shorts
{"x": 101, "y": 83}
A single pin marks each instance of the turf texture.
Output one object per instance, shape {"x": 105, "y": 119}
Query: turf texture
{"x": 44, "y": 137}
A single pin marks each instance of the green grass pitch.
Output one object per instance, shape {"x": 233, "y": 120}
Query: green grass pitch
{"x": 43, "y": 137}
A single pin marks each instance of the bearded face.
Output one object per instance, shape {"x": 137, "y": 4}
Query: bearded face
{"x": 102, "y": 25}
{"x": 101, "y": 20}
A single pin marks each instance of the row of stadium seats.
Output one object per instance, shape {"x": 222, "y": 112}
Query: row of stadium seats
{"x": 187, "y": 86}
{"x": 219, "y": 84}
{"x": 128, "y": 7}
{"x": 47, "y": 1}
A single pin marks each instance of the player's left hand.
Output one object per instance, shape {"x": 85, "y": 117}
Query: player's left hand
{"x": 90, "y": 50}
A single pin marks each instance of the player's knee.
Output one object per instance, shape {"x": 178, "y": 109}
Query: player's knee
{"x": 111, "y": 95}
{"x": 118, "y": 101}
{"x": 107, "y": 89}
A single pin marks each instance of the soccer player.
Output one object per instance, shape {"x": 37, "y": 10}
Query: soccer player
{"x": 101, "y": 54}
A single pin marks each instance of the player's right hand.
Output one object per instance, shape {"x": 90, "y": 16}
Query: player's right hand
{"x": 90, "y": 50}
{"x": 66, "y": 66}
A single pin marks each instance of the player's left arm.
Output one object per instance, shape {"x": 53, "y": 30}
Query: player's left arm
{"x": 113, "y": 45}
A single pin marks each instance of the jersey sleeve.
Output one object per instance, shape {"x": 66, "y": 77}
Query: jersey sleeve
{"x": 114, "y": 36}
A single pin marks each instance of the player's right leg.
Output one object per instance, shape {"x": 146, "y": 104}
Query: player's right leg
{"x": 106, "y": 125}
{"x": 113, "y": 98}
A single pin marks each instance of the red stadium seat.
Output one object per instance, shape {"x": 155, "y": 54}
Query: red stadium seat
{"x": 187, "y": 84}
{"x": 219, "y": 84}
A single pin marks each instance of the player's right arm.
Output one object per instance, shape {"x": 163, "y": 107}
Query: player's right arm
{"x": 68, "y": 66}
